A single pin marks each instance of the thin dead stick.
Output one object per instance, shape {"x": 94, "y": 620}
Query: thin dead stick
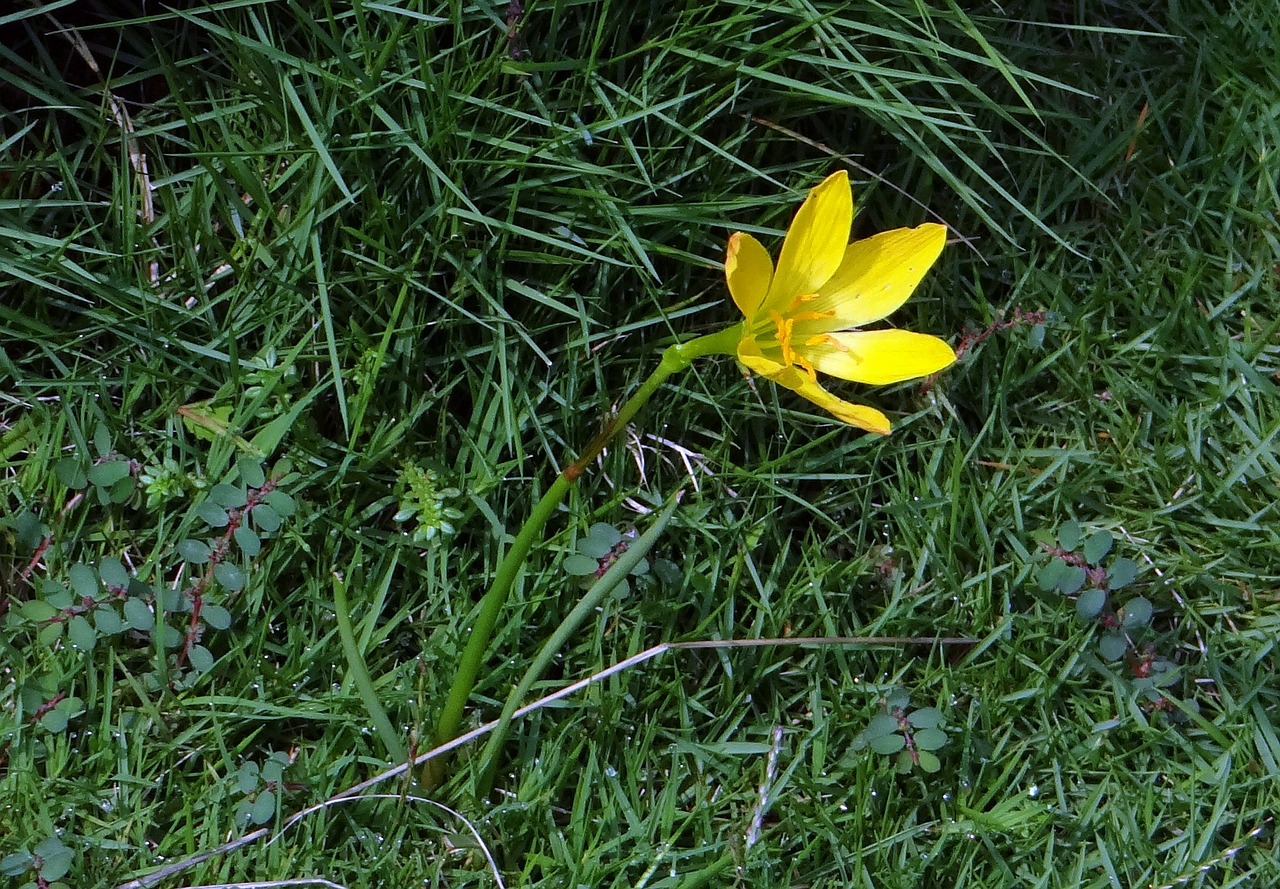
{"x": 137, "y": 159}
{"x": 355, "y": 791}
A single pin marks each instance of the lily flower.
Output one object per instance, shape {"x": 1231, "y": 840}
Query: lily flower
{"x": 799, "y": 318}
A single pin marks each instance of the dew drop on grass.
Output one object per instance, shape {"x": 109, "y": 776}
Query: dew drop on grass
{"x": 1033, "y": 791}
{"x": 610, "y": 772}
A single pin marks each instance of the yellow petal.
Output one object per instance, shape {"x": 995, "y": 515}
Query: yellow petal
{"x": 876, "y": 276}
{"x": 748, "y": 271}
{"x": 815, "y": 243}
{"x": 859, "y": 415}
{"x": 798, "y": 381}
{"x": 879, "y": 357}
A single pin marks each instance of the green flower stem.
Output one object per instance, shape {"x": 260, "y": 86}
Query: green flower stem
{"x": 360, "y": 673}
{"x": 617, "y": 573}
{"x": 675, "y": 358}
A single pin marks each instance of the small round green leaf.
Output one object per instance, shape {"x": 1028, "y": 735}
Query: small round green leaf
{"x": 113, "y": 573}
{"x": 904, "y": 763}
{"x": 281, "y": 502}
{"x": 264, "y": 807}
{"x": 887, "y": 744}
{"x": 897, "y": 699}
{"x": 266, "y": 518}
{"x": 1097, "y": 547}
{"x": 244, "y": 813}
{"x": 84, "y": 581}
{"x": 28, "y": 531}
{"x": 1072, "y": 579}
{"x": 1091, "y": 603}
{"x": 201, "y": 658}
{"x": 122, "y": 490}
{"x": 1069, "y": 535}
{"x": 216, "y": 616}
{"x": 56, "y": 858}
{"x": 251, "y": 472}
{"x": 69, "y": 471}
{"x": 106, "y": 620}
{"x": 1112, "y": 646}
{"x": 579, "y": 565}
{"x": 102, "y": 439}
{"x": 882, "y": 725}
{"x": 273, "y": 770}
{"x": 172, "y": 599}
{"x": 106, "y": 474}
{"x": 55, "y": 721}
{"x": 81, "y": 633}
{"x": 926, "y": 717}
{"x": 930, "y": 739}
{"x": 928, "y": 762}
{"x": 56, "y": 594}
{"x": 1137, "y": 613}
{"x": 1051, "y": 574}
{"x": 248, "y": 541}
{"x": 50, "y": 634}
{"x": 170, "y": 637}
{"x": 16, "y": 864}
{"x": 212, "y": 514}
{"x": 37, "y": 611}
{"x": 247, "y": 777}
{"x": 229, "y": 575}
{"x": 605, "y": 533}
{"x": 195, "y": 551}
{"x": 594, "y": 547}
{"x": 1121, "y": 572}
{"x": 228, "y": 496}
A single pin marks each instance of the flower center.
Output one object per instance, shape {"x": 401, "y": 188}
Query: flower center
{"x": 784, "y": 326}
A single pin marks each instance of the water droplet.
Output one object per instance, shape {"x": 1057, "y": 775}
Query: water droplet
{"x": 1033, "y": 791}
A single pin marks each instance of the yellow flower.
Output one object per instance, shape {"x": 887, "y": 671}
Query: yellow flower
{"x": 798, "y": 317}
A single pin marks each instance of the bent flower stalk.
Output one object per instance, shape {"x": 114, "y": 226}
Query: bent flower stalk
{"x": 799, "y": 318}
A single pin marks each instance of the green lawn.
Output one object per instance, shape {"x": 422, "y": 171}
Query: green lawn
{"x": 290, "y": 289}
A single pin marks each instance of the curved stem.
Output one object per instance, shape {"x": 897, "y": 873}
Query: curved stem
{"x": 617, "y": 573}
{"x": 675, "y": 358}
{"x": 360, "y": 673}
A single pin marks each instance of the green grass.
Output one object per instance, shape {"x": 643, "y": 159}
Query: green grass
{"x": 392, "y": 234}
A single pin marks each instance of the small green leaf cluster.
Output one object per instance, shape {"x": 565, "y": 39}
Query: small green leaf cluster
{"x": 49, "y": 707}
{"x": 48, "y": 863}
{"x": 261, "y": 786}
{"x": 427, "y": 504}
{"x": 93, "y": 601}
{"x": 165, "y": 480}
{"x": 909, "y": 735}
{"x": 82, "y": 602}
{"x": 596, "y": 553}
{"x": 1078, "y": 566}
